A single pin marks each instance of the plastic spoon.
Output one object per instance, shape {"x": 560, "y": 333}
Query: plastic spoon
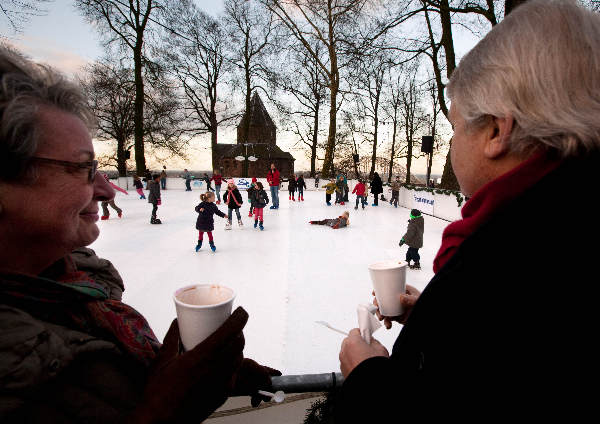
{"x": 326, "y": 324}
{"x": 278, "y": 396}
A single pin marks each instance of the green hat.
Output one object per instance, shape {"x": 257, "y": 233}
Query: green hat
{"x": 415, "y": 213}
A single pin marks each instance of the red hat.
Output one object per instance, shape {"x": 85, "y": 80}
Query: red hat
{"x": 254, "y": 179}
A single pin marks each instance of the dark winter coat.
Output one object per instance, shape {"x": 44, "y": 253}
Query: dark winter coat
{"x": 154, "y": 195}
{"x": 505, "y": 328}
{"x": 205, "y": 221}
{"x": 291, "y": 184}
{"x": 414, "y": 232}
{"x": 51, "y": 372}
{"x": 376, "y": 185}
{"x": 250, "y": 190}
{"x": 300, "y": 184}
{"x": 138, "y": 184}
{"x": 231, "y": 202}
{"x": 260, "y": 199}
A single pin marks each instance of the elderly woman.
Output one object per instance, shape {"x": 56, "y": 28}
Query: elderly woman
{"x": 70, "y": 350}
{"x": 500, "y": 331}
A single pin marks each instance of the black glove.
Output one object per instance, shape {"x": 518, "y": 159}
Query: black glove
{"x": 252, "y": 377}
{"x": 189, "y": 386}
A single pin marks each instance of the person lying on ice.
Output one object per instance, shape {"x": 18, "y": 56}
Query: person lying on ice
{"x": 335, "y": 223}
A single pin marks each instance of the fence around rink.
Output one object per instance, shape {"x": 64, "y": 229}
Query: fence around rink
{"x": 440, "y": 205}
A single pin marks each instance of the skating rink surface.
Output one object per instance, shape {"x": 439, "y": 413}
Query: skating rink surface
{"x": 287, "y": 276}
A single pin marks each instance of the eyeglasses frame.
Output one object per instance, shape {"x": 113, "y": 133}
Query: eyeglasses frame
{"x": 91, "y": 166}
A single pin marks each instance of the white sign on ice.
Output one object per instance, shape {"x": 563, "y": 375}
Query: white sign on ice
{"x": 423, "y": 201}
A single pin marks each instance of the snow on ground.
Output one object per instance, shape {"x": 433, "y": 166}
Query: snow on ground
{"x": 287, "y": 276}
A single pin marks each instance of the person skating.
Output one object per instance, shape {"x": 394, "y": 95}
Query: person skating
{"x": 205, "y": 222}
{"x": 300, "y": 185}
{"x": 163, "y": 178}
{"x": 292, "y": 188}
{"x": 340, "y": 222}
{"x": 233, "y": 200}
{"x": 339, "y": 191}
{"x": 329, "y": 189}
{"x": 395, "y": 192}
{"x": 188, "y": 179}
{"x": 139, "y": 186}
{"x": 218, "y": 179}
{"x": 207, "y": 180}
{"x": 317, "y": 181}
{"x": 249, "y": 192}
{"x": 273, "y": 180}
{"x": 376, "y": 188}
{"x": 414, "y": 238}
{"x": 360, "y": 189}
{"x": 105, "y": 212}
{"x": 154, "y": 197}
{"x": 259, "y": 200}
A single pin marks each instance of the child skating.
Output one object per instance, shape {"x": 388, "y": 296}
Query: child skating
{"x": 340, "y": 222}
{"x": 139, "y": 186}
{"x": 249, "y": 192}
{"x": 260, "y": 200}
{"x": 292, "y": 187}
{"x": 233, "y": 199}
{"x": 395, "y": 192}
{"x": 360, "y": 189}
{"x": 329, "y": 189}
{"x": 414, "y": 238}
{"x": 300, "y": 185}
{"x": 154, "y": 197}
{"x": 205, "y": 222}
{"x": 105, "y": 204}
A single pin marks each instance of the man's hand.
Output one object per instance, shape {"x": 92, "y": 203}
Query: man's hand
{"x": 354, "y": 350}
{"x": 407, "y": 301}
{"x": 252, "y": 377}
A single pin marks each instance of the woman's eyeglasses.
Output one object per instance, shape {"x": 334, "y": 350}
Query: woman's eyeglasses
{"x": 91, "y": 166}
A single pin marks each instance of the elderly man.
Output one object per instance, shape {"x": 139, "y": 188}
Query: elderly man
{"x": 504, "y": 329}
{"x": 70, "y": 350}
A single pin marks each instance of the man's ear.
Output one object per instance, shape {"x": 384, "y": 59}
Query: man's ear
{"x": 497, "y": 137}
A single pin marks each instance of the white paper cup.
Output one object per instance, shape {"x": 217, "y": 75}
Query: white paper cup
{"x": 201, "y": 309}
{"x": 389, "y": 282}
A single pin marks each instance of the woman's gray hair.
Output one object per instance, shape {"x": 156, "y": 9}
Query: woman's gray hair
{"x": 541, "y": 65}
{"x": 24, "y": 87}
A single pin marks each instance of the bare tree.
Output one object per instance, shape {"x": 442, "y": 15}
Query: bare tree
{"x": 110, "y": 89}
{"x": 18, "y": 12}
{"x": 126, "y": 23}
{"x": 392, "y": 109}
{"x": 194, "y": 55}
{"x": 412, "y": 115}
{"x": 250, "y": 29}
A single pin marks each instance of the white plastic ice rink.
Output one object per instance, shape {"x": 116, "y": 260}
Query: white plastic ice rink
{"x": 287, "y": 276}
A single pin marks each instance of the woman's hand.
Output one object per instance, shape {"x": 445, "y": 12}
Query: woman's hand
{"x": 189, "y": 386}
{"x": 407, "y": 301}
{"x": 354, "y": 350}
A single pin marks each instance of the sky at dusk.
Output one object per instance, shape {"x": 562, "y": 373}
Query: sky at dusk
{"x": 63, "y": 39}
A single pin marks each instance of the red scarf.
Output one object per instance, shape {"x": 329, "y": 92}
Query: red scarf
{"x": 230, "y": 195}
{"x": 488, "y": 199}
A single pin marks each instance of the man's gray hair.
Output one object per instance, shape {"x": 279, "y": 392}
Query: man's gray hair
{"x": 541, "y": 65}
{"x": 24, "y": 87}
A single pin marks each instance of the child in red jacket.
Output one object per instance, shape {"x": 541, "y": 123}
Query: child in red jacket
{"x": 360, "y": 189}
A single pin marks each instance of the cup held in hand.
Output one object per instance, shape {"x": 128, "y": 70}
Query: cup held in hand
{"x": 389, "y": 282}
{"x": 201, "y": 309}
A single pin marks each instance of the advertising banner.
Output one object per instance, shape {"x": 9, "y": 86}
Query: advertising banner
{"x": 423, "y": 201}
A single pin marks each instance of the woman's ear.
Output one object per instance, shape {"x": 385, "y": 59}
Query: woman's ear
{"x": 498, "y": 135}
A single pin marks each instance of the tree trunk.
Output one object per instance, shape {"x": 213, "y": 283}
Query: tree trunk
{"x": 140, "y": 161}
{"x": 393, "y": 151}
{"x": 327, "y": 170}
{"x": 121, "y": 161}
{"x": 315, "y": 139}
{"x": 374, "y": 155}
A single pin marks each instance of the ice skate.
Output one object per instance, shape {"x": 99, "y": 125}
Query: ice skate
{"x": 228, "y": 225}
{"x": 342, "y": 203}
{"x": 104, "y": 217}
{"x": 293, "y": 200}
{"x": 416, "y": 265}
{"x": 261, "y": 226}
{"x": 212, "y": 245}
{"x": 328, "y": 203}
{"x": 155, "y": 221}
{"x": 199, "y": 245}
{"x": 218, "y": 202}
{"x": 356, "y": 208}
{"x": 120, "y": 214}
{"x": 255, "y": 224}
{"x": 249, "y": 214}
{"x": 290, "y": 197}
{"x": 272, "y": 207}
{"x": 240, "y": 223}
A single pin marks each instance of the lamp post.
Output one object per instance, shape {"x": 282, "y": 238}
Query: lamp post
{"x": 245, "y": 159}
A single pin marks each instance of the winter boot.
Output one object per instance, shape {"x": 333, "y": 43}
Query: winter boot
{"x": 290, "y": 197}
{"x": 104, "y": 217}
{"x": 120, "y": 214}
{"x": 328, "y": 203}
{"x": 218, "y": 202}
{"x": 261, "y": 226}
{"x": 155, "y": 221}
{"x": 417, "y": 265}
{"x": 249, "y": 214}
{"x": 240, "y": 223}
{"x": 212, "y": 245}
{"x": 199, "y": 245}
{"x": 255, "y": 223}
{"x": 302, "y": 198}
{"x": 356, "y": 208}
{"x": 228, "y": 225}
{"x": 342, "y": 203}
{"x": 409, "y": 264}
{"x": 272, "y": 207}
{"x": 293, "y": 200}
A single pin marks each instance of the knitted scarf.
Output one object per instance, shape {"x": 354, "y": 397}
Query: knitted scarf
{"x": 488, "y": 199}
{"x": 74, "y": 300}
